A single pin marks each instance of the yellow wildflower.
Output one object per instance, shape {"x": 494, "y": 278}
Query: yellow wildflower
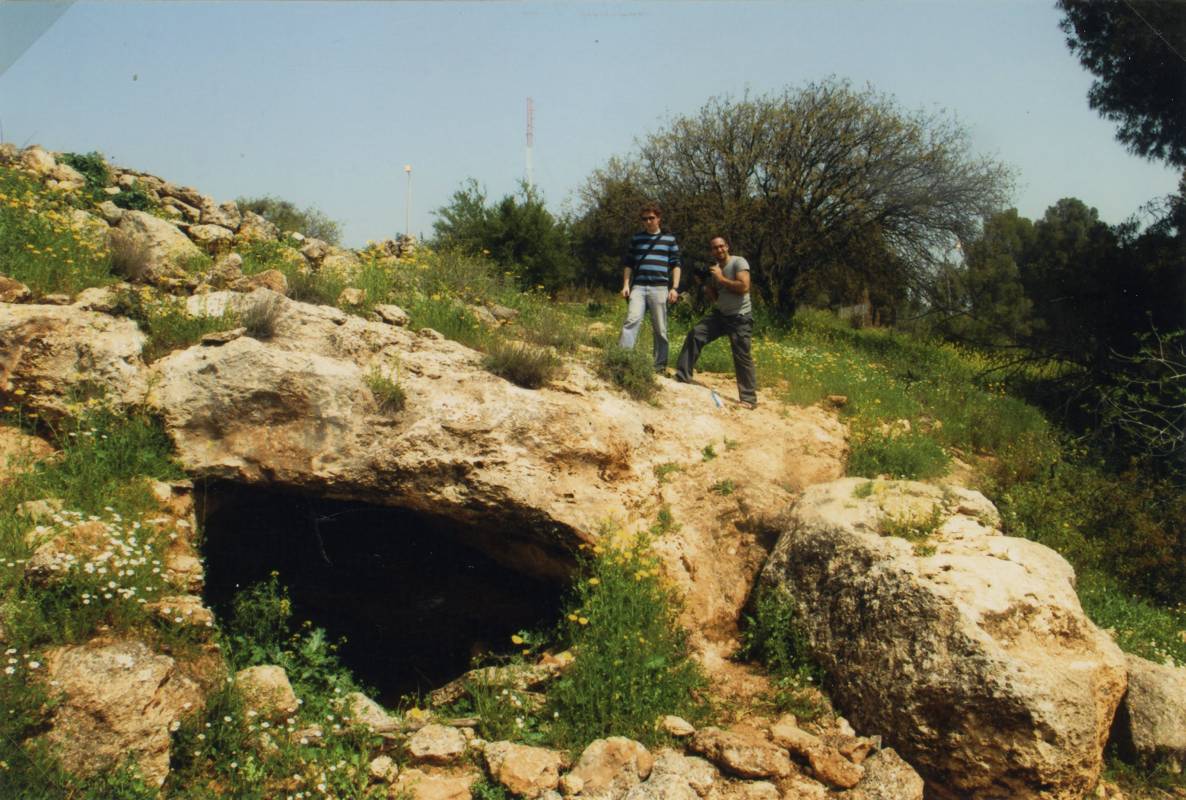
{"x": 594, "y": 581}
{"x": 517, "y": 639}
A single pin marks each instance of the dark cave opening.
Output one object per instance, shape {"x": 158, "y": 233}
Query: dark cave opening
{"x": 413, "y": 601}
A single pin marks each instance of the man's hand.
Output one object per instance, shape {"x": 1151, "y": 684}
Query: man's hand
{"x": 715, "y": 272}
{"x": 672, "y": 295}
{"x": 625, "y": 292}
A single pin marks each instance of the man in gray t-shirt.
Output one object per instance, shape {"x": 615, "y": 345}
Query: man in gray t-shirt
{"x": 732, "y": 316}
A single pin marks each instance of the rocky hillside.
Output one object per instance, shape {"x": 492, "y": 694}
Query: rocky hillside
{"x": 953, "y": 655}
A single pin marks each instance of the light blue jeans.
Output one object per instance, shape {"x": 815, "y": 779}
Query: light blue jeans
{"x": 654, "y": 299}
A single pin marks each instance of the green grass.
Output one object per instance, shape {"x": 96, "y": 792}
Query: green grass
{"x": 135, "y": 198}
{"x": 665, "y": 470}
{"x": 168, "y": 325}
{"x": 38, "y": 245}
{"x": 913, "y": 528}
{"x": 907, "y": 455}
{"x": 99, "y": 478}
{"x": 723, "y": 487}
{"x": 1138, "y": 626}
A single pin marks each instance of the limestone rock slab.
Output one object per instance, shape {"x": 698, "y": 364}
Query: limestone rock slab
{"x": 160, "y": 247}
{"x": 742, "y": 752}
{"x": 974, "y": 659}
{"x": 120, "y": 700}
{"x": 1154, "y": 711}
{"x": 266, "y": 690}
{"x": 436, "y": 744}
{"x": 48, "y": 351}
{"x": 524, "y": 770}
{"x": 887, "y": 777}
{"x": 610, "y": 767}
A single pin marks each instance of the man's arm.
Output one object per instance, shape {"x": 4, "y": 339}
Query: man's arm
{"x": 673, "y": 263}
{"x": 738, "y": 285}
{"x": 626, "y": 282}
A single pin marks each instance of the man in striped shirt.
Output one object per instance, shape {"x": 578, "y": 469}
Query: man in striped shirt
{"x": 650, "y": 276}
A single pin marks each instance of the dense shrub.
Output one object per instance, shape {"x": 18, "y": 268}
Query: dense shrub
{"x": 632, "y": 664}
{"x": 632, "y": 370}
{"x": 92, "y": 166}
{"x": 135, "y": 198}
{"x": 772, "y": 634}
{"x": 518, "y": 233}
{"x": 521, "y": 364}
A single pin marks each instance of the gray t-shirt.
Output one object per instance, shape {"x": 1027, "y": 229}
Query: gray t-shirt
{"x": 728, "y": 303}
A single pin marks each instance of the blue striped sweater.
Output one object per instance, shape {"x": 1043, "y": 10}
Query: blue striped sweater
{"x": 655, "y": 268}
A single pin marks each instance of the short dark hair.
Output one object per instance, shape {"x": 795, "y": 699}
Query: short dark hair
{"x": 718, "y": 236}
{"x": 650, "y": 206}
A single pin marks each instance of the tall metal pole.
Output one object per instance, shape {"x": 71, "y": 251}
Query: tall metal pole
{"x": 530, "y": 141}
{"x": 408, "y": 203}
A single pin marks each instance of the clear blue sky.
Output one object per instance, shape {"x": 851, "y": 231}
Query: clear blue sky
{"x": 324, "y": 103}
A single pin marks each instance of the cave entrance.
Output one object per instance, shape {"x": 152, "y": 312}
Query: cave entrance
{"x": 414, "y": 602}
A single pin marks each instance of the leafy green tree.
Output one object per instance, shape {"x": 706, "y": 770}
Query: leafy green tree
{"x": 464, "y": 224}
{"x": 995, "y": 309}
{"x": 814, "y": 180}
{"x": 1137, "y": 51}
{"x": 287, "y": 217}
{"x": 517, "y": 232}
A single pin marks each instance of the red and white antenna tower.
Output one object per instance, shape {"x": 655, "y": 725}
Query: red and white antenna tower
{"x": 530, "y": 141}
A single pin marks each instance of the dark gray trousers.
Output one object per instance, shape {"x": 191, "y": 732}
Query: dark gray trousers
{"x": 740, "y": 330}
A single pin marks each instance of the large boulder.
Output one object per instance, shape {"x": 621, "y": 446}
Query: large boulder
{"x": 48, "y": 353}
{"x": 966, "y": 649}
{"x": 1152, "y": 719}
{"x": 150, "y": 249}
{"x": 119, "y": 700}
